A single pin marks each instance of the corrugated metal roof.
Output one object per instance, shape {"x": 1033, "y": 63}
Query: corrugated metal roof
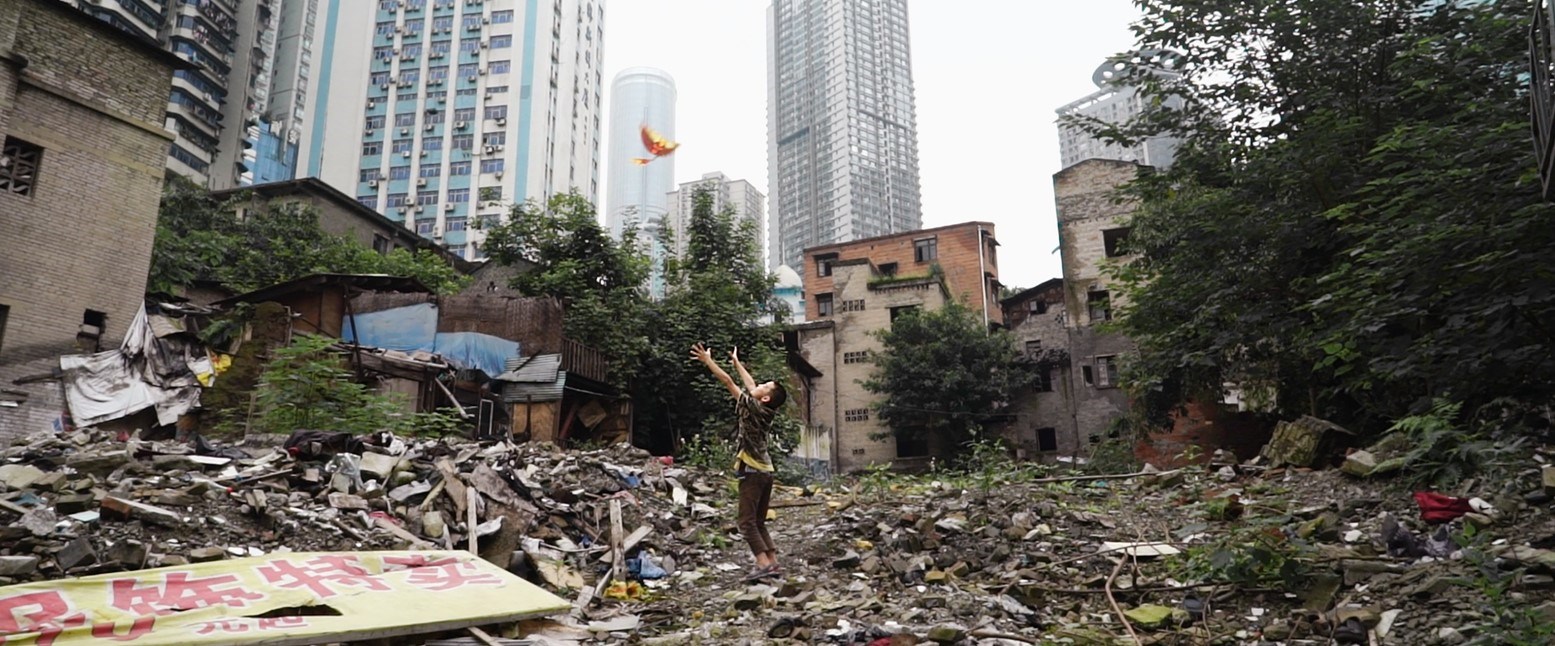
{"x": 534, "y": 391}
{"x": 539, "y": 368}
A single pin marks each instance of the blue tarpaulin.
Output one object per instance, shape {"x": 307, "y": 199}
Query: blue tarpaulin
{"x": 414, "y": 328}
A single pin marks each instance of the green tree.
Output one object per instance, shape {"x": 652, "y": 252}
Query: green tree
{"x": 717, "y": 294}
{"x": 941, "y": 374}
{"x": 201, "y": 239}
{"x": 599, "y": 279}
{"x": 1354, "y": 215}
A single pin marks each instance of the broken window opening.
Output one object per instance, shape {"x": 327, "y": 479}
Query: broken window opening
{"x": 911, "y": 447}
{"x": 823, "y": 264}
{"x": 1113, "y": 241}
{"x": 1047, "y": 439}
{"x": 925, "y": 250}
{"x": 1099, "y": 304}
{"x": 19, "y": 161}
{"x": 1106, "y": 372}
{"x": 823, "y": 305}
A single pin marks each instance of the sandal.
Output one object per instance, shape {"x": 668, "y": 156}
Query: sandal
{"x": 761, "y": 573}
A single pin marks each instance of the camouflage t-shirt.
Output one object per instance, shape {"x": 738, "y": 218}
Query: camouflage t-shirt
{"x": 754, "y": 429}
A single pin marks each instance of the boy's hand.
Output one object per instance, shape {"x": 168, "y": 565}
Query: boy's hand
{"x": 701, "y": 353}
{"x": 734, "y": 354}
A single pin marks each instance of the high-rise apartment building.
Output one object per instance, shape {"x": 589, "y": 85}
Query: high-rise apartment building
{"x": 636, "y": 194}
{"x": 842, "y": 127}
{"x": 242, "y": 114}
{"x": 471, "y": 106}
{"x": 737, "y": 195}
{"x": 1115, "y": 101}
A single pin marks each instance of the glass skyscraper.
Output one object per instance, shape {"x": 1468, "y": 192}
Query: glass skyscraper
{"x": 842, "y": 127}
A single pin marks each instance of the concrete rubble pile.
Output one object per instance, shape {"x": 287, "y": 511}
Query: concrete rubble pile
{"x": 87, "y": 503}
{"x": 647, "y": 551}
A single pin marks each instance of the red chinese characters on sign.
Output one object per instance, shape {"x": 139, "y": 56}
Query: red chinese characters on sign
{"x": 449, "y": 576}
{"x": 44, "y": 613}
{"x": 322, "y": 575}
{"x": 240, "y": 626}
{"x": 179, "y": 591}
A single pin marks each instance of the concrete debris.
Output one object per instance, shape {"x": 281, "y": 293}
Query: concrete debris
{"x": 940, "y": 559}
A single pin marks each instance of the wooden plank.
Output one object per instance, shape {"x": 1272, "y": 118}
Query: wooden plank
{"x": 400, "y": 532}
{"x": 617, "y": 540}
{"x": 481, "y": 635}
{"x": 472, "y": 503}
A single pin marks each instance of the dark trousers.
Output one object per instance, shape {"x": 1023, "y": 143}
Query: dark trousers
{"x": 755, "y": 496}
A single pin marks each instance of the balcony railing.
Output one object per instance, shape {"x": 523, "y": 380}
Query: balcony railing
{"x": 1541, "y": 60}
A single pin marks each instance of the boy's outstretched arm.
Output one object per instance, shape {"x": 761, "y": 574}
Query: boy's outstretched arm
{"x": 701, "y": 353}
{"x": 745, "y": 375}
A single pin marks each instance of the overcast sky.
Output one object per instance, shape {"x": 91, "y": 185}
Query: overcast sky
{"x": 988, "y": 76}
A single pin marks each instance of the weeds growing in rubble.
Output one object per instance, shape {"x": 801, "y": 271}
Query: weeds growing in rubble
{"x": 1509, "y": 619}
{"x": 1444, "y": 451}
{"x": 307, "y": 386}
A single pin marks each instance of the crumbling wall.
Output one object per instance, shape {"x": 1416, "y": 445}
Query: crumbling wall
{"x": 1036, "y": 409}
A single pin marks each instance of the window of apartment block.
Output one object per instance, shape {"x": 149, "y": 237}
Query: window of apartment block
{"x": 1112, "y": 241}
{"x": 855, "y": 415}
{"x": 911, "y": 447}
{"x": 925, "y": 250}
{"x": 1089, "y": 374}
{"x": 1099, "y": 304}
{"x": 380, "y": 244}
{"x": 898, "y": 312}
{"x": 1036, "y": 306}
{"x": 1034, "y": 350}
{"x": 19, "y": 161}
{"x": 855, "y": 357}
{"x": 989, "y": 245}
{"x": 823, "y": 264}
{"x": 856, "y": 305}
{"x": 491, "y": 194}
{"x": 823, "y": 304}
{"x": 1106, "y": 372}
{"x": 1047, "y": 439}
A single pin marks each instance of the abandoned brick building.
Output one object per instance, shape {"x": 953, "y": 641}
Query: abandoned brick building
{"x": 82, "y": 109}
{"x": 855, "y": 288}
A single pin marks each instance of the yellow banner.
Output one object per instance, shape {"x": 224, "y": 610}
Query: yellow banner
{"x": 346, "y": 596}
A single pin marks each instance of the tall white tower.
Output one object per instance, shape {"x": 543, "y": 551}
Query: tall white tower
{"x": 636, "y": 193}
{"x": 842, "y": 149}
{"x": 472, "y": 106}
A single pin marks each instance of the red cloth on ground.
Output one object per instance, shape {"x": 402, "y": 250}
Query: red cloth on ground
{"x": 1437, "y": 508}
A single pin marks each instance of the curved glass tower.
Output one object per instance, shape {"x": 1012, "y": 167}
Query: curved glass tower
{"x": 638, "y": 194}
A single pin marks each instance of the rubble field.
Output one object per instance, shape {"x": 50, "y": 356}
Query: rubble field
{"x": 1223, "y": 553}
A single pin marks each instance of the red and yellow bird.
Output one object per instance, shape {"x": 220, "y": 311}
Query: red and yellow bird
{"x": 655, "y": 144}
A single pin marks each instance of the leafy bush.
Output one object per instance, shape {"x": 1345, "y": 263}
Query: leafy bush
{"x": 307, "y": 386}
{"x": 1442, "y": 452}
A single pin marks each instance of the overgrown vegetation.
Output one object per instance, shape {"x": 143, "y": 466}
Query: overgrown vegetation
{"x": 307, "y": 385}
{"x": 717, "y": 294}
{"x": 942, "y": 375}
{"x": 203, "y": 240}
{"x": 1354, "y": 215}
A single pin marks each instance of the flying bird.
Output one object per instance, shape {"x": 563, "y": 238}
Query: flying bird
{"x": 656, "y": 145}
